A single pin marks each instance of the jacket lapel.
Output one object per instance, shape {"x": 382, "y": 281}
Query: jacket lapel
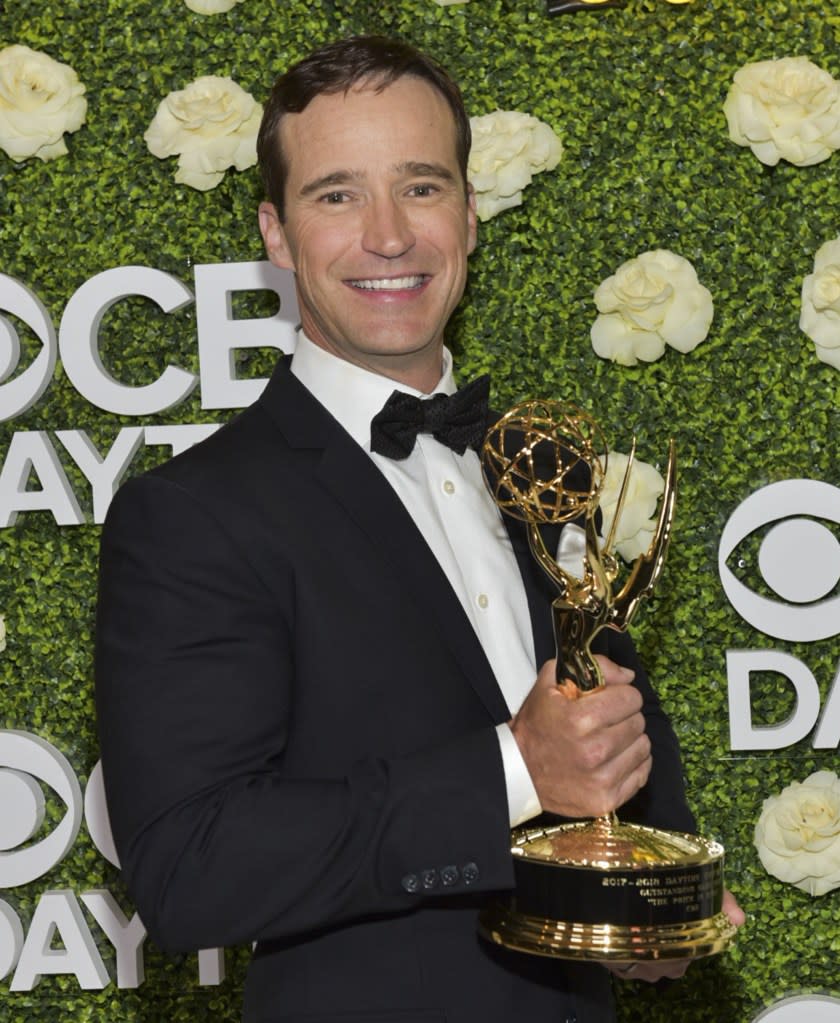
{"x": 346, "y": 472}
{"x": 538, "y": 588}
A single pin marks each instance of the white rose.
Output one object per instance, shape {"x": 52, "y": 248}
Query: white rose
{"x": 650, "y": 301}
{"x": 784, "y": 109}
{"x": 40, "y": 100}
{"x": 820, "y": 314}
{"x": 798, "y": 834}
{"x": 211, "y": 6}
{"x": 637, "y": 523}
{"x": 211, "y": 125}
{"x": 508, "y": 148}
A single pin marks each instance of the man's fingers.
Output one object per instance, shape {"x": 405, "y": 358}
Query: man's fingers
{"x": 589, "y": 754}
{"x": 612, "y": 673}
{"x": 650, "y": 972}
{"x": 620, "y": 778}
{"x": 731, "y": 908}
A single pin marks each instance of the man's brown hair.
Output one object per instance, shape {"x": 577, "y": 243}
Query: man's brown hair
{"x": 338, "y": 67}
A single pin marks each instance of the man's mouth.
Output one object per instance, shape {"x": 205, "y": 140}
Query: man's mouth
{"x": 406, "y": 283}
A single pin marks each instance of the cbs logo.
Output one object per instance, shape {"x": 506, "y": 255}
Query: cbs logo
{"x": 799, "y": 561}
{"x": 29, "y": 763}
{"x": 26, "y": 761}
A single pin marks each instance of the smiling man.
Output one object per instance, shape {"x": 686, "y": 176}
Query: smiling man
{"x": 377, "y": 225}
{"x": 324, "y": 673}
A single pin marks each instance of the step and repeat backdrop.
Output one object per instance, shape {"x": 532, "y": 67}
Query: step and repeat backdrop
{"x": 660, "y": 244}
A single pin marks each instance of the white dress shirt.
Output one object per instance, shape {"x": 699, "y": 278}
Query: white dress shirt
{"x": 445, "y": 495}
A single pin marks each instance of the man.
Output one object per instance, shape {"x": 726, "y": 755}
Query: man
{"x": 316, "y": 663}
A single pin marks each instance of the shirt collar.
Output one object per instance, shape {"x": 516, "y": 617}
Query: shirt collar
{"x": 351, "y": 394}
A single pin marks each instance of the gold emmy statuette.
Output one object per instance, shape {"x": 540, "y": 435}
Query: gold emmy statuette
{"x": 598, "y": 889}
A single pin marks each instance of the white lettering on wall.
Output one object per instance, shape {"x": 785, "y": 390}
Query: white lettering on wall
{"x": 58, "y": 914}
{"x": 30, "y": 755}
{"x": 78, "y": 341}
{"x": 19, "y": 394}
{"x": 32, "y": 453}
{"x": 799, "y": 560}
{"x": 59, "y": 939}
{"x": 11, "y": 939}
{"x": 32, "y": 477}
{"x": 219, "y": 336}
{"x": 127, "y": 936}
{"x": 800, "y": 555}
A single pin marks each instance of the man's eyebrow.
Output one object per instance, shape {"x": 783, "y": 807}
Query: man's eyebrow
{"x": 412, "y": 168}
{"x": 426, "y": 170}
{"x": 332, "y": 180}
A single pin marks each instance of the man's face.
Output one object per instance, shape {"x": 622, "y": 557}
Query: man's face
{"x": 378, "y": 227}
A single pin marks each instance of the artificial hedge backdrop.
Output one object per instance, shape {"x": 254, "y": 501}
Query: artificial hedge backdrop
{"x": 635, "y": 93}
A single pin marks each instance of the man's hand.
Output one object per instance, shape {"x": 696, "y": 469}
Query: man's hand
{"x": 587, "y": 754}
{"x": 673, "y": 969}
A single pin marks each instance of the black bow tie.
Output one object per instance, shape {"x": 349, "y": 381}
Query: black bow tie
{"x": 458, "y": 420}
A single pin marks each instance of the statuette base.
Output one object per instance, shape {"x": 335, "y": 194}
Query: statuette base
{"x": 606, "y": 891}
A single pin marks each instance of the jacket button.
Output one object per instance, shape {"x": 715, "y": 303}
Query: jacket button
{"x": 430, "y": 879}
{"x": 469, "y": 872}
{"x": 449, "y": 875}
{"x": 411, "y": 883}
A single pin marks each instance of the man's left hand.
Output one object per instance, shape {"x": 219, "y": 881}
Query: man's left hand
{"x": 673, "y": 969}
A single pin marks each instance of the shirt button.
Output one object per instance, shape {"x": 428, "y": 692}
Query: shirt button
{"x": 448, "y": 487}
{"x": 483, "y": 601}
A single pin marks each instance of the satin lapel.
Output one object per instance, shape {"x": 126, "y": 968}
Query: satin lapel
{"x": 538, "y": 588}
{"x": 350, "y": 476}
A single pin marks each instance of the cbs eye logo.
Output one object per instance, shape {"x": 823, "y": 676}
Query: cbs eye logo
{"x": 798, "y": 559}
{"x": 27, "y": 387}
{"x": 23, "y": 759}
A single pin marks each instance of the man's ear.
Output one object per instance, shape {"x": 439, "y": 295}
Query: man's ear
{"x": 274, "y": 237}
{"x": 472, "y": 219}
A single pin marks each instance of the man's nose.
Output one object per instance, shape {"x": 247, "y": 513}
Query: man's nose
{"x": 387, "y": 231}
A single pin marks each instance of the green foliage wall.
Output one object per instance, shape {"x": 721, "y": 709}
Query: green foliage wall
{"x": 635, "y": 94}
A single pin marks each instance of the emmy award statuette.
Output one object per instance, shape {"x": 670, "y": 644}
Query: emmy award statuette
{"x": 598, "y": 889}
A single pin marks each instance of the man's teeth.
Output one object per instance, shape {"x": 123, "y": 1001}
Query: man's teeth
{"x": 390, "y": 284}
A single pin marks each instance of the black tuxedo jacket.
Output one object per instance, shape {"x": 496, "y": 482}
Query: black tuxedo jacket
{"x": 297, "y": 731}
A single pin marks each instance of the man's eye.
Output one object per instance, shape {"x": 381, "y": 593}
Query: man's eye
{"x": 334, "y": 198}
{"x": 423, "y": 190}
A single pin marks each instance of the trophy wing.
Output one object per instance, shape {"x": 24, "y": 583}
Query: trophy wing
{"x": 648, "y": 566}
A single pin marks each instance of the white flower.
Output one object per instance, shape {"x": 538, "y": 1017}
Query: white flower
{"x": 820, "y": 314}
{"x": 638, "y": 519}
{"x": 40, "y": 100}
{"x": 508, "y": 148}
{"x": 211, "y": 6}
{"x": 2, "y": 634}
{"x": 798, "y": 834}
{"x": 650, "y": 301}
{"x": 211, "y": 125}
{"x": 785, "y": 109}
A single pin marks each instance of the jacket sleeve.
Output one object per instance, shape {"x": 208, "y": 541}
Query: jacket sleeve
{"x": 195, "y": 689}
{"x": 662, "y": 802}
